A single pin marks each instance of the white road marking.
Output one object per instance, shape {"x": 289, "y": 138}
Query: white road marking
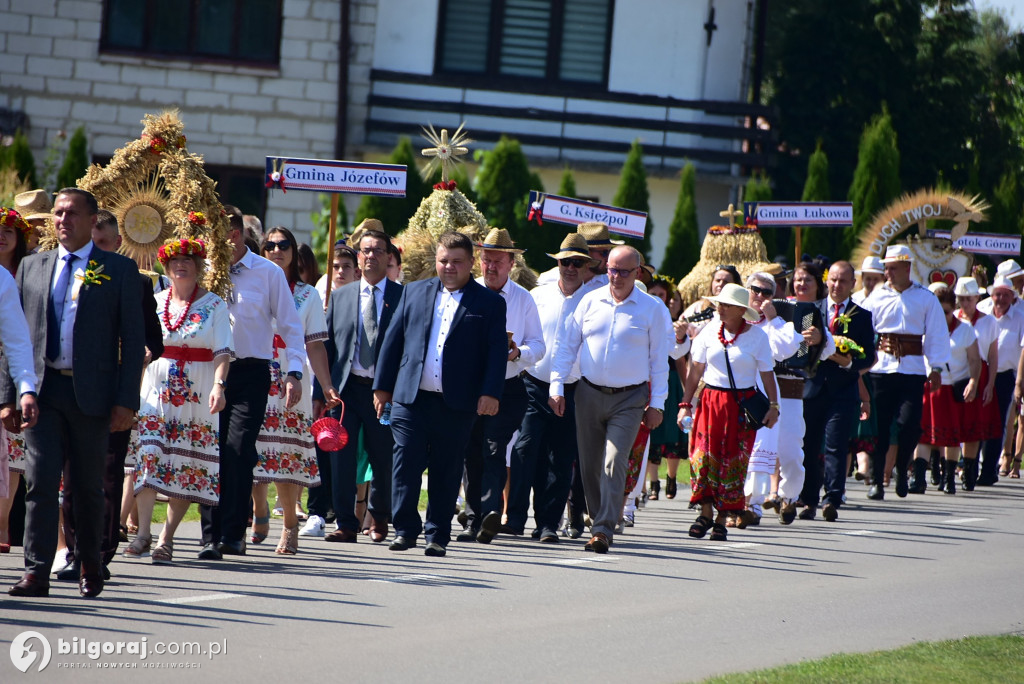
{"x": 402, "y": 579}
{"x": 962, "y": 521}
{"x": 735, "y": 545}
{"x": 581, "y": 561}
{"x": 200, "y": 599}
{"x": 858, "y": 533}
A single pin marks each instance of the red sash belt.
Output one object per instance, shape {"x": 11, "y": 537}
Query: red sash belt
{"x": 188, "y": 353}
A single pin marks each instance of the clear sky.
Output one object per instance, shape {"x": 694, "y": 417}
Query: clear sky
{"x": 1012, "y": 9}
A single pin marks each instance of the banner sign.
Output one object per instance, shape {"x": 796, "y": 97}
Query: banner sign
{"x": 983, "y": 243}
{"x": 575, "y": 211}
{"x": 774, "y": 214}
{"x": 325, "y": 175}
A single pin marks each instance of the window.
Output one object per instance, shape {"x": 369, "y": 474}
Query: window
{"x": 552, "y": 40}
{"x": 244, "y": 31}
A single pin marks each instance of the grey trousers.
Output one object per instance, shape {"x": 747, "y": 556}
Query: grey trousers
{"x": 606, "y": 427}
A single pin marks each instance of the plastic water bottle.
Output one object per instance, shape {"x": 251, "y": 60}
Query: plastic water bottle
{"x": 687, "y": 424}
{"x": 385, "y": 418}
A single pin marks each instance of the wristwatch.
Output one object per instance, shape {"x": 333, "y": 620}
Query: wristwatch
{"x": 295, "y": 374}
{"x": 221, "y": 382}
{"x": 937, "y": 369}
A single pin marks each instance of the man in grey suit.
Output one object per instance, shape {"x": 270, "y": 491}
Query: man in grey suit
{"x": 357, "y": 318}
{"x": 87, "y": 334}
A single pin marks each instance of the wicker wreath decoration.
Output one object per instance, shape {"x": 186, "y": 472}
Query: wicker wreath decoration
{"x": 158, "y": 190}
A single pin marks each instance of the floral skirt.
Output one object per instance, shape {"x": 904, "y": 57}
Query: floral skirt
{"x": 285, "y": 444}
{"x": 720, "y": 451}
{"x": 636, "y": 458}
{"x": 940, "y": 417}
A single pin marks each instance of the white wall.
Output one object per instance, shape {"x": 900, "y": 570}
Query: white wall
{"x": 406, "y": 35}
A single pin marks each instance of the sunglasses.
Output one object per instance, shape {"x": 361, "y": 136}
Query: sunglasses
{"x": 621, "y": 272}
{"x": 763, "y": 291}
{"x": 575, "y": 263}
{"x": 280, "y": 244}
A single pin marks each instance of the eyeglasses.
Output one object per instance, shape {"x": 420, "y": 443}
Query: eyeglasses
{"x": 621, "y": 272}
{"x": 763, "y": 291}
{"x": 575, "y": 263}
{"x": 372, "y": 251}
{"x": 280, "y": 244}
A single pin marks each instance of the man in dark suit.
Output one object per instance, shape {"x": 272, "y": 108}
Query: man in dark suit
{"x": 442, "y": 364}
{"x": 105, "y": 236}
{"x": 87, "y": 334}
{"x": 357, "y": 320}
{"x": 832, "y": 403}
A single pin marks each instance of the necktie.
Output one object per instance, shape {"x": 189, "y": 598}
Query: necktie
{"x": 55, "y": 312}
{"x": 369, "y": 335}
{"x": 835, "y": 317}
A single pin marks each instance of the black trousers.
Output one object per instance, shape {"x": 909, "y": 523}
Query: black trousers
{"x": 829, "y": 422}
{"x": 543, "y": 459}
{"x": 379, "y": 444}
{"x": 113, "y": 488}
{"x": 64, "y": 434}
{"x": 485, "y": 455}
{"x": 898, "y": 398}
{"x": 989, "y": 472}
{"x": 245, "y": 395}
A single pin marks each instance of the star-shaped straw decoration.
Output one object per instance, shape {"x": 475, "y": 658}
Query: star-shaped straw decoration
{"x": 444, "y": 151}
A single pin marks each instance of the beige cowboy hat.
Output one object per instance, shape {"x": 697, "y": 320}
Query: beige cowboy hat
{"x": 365, "y": 225}
{"x": 967, "y": 286}
{"x": 574, "y": 246}
{"x": 499, "y": 240}
{"x": 596, "y": 234}
{"x": 33, "y": 205}
{"x": 736, "y": 296}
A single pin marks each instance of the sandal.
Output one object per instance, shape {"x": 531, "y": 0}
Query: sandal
{"x": 132, "y": 527}
{"x": 1004, "y": 466}
{"x": 700, "y": 527}
{"x": 259, "y": 537}
{"x": 718, "y": 533}
{"x": 300, "y": 513}
{"x": 139, "y": 548}
{"x": 123, "y": 533}
{"x": 746, "y": 518}
{"x": 163, "y": 554}
{"x": 772, "y": 503}
{"x": 289, "y": 544}
{"x": 1015, "y": 470}
{"x": 670, "y": 487}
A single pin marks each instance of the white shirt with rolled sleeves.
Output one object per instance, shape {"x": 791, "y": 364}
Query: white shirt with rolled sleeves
{"x": 260, "y": 298}
{"x": 915, "y": 311}
{"x": 618, "y": 343}
{"x": 523, "y": 321}
{"x": 553, "y": 308}
{"x": 1009, "y": 338}
{"x": 14, "y": 335}
{"x": 783, "y": 338}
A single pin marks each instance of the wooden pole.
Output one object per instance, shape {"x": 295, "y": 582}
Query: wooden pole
{"x": 799, "y": 247}
{"x": 331, "y": 232}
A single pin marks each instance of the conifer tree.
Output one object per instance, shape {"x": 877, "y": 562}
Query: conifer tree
{"x": 567, "y": 185}
{"x": 683, "y": 249}
{"x": 19, "y": 156}
{"x": 395, "y": 212}
{"x": 759, "y": 189}
{"x": 818, "y": 240}
{"x": 876, "y": 180}
{"x": 76, "y": 161}
{"x": 633, "y": 194}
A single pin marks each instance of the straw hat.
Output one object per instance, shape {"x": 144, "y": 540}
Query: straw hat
{"x": 33, "y": 205}
{"x": 871, "y": 264}
{"x": 1008, "y": 268}
{"x": 737, "y": 296}
{"x": 897, "y": 254}
{"x": 967, "y": 286}
{"x": 365, "y": 225}
{"x": 499, "y": 240}
{"x": 574, "y": 246}
{"x": 1002, "y": 282}
{"x": 596, "y": 234}
{"x": 647, "y": 267}
{"x": 938, "y": 287}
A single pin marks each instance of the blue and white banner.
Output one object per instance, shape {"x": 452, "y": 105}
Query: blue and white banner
{"x": 325, "y": 175}
{"x": 576, "y": 211}
{"x": 775, "y": 214}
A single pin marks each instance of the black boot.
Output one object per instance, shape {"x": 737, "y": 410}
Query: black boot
{"x": 970, "y": 474}
{"x": 655, "y": 488}
{"x": 670, "y": 487}
{"x": 950, "y": 477}
{"x": 918, "y": 484}
{"x": 936, "y": 467}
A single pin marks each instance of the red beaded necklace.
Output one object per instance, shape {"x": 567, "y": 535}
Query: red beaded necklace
{"x": 721, "y": 334}
{"x": 184, "y": 314}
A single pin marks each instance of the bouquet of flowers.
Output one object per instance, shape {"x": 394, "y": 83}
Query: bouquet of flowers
{"x": 844, "y": 345}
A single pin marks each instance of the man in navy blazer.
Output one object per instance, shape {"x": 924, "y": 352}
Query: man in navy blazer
{"x": 442, "y": 365}
{"x": 358, "y": 317}
{"x": 832, "y": 398}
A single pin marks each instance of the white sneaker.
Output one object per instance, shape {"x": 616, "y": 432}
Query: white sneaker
{"x": 314, "y": 527}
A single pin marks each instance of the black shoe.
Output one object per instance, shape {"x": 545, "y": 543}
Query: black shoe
{"x": 210, "y": 552}
{"x": 467, "y": 535}
{"x": 489, "y": 527}
{"x": 949, "y": 477}
{"x": 508, "y": 529}
{"x": 31, "y": 586}
{"x": 787, "y": 512}
{"x": 919, "y": 484}
{"x": 670, "y": 487}
{"x": 935, "y": 465}
{"x": 535, "y": 534}
{"x": 808, "y": 513}
{"x": 970, "y": 474}
{"x": 463, "y": 519}
{"x": 829, "y": 512}
{"x": 234, "y": 548}
{"x": 876, "y": 493}
{"x": 655, "y": 490}
{"x": 71, "y": 573}
{"x": 434, "y": 549}
{"x": 548, "y": 536}
{"x": 902, "y": 486}
{"x": 402, "y": 544}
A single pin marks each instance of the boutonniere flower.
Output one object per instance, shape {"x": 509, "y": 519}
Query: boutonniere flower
{"x": 93, "y": 275}
{"x": 844, "y": 345}
{"x": 845, "y": 320}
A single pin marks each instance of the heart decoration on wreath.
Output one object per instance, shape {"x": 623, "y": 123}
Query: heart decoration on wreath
{"x": 948, "y": 277}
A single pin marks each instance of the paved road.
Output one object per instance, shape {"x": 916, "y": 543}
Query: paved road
{"x": 659, "y": 608}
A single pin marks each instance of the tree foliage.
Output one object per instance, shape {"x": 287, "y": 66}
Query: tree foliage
{"x": 395, "y": 212}
{"x": 19, "y": 157}
{"x": 683, "y": 250}
{"x": 876, "y": 180}
{"x": 633, "y": 194}
{"x": 759, "y": 189}
{"x": 320, "y": 237}
{"x": 76, "y": 161}
{"x": 567, "y": 184}
{"x": 820, "y": 239}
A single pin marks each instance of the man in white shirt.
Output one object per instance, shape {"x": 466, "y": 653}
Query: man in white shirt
{"x": 599, "y": 244}
{"x": 1012, "y": 271}
{"x": 910, "y": 325}
{"x": 488, "y": 443}
{"x": 622, "y": 339}
{"x": 259, "y": 299}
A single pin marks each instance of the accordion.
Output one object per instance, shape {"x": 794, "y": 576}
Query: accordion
{"x": 803, "y": 315}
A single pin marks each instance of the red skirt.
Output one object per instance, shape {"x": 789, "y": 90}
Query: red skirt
{"x": 979, "y": 421}
{"x": 941, "y": 417}
{"x": 720, "y": 450}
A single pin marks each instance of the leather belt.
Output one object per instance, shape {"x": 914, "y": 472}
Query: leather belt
{"x": 790, "y": 388}
{"x": 900, "y": 345}
{"x": 613, "y": 390}
{"x": 361, "y": 379}
{"x": 516, "y": 377}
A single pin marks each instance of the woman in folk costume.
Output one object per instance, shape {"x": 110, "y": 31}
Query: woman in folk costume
{"x": 175, "y": 444}
{"x": 285, "y": 445}
{"x": 721, "y": 443}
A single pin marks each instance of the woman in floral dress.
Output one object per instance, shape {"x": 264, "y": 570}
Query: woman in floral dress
{"x": 285, "y": 445}
{"x": 176, "y": 440}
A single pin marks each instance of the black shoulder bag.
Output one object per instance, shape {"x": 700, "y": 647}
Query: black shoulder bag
{"x": 754, "y": 408}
